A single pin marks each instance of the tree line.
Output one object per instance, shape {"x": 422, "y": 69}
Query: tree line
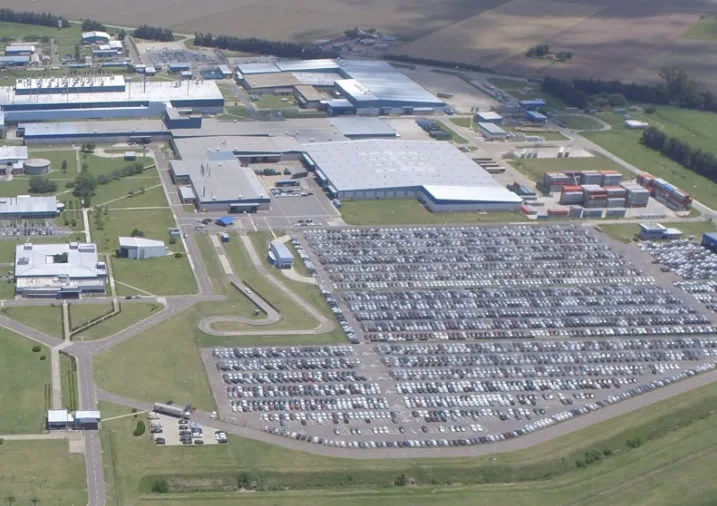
{"x": 154, "y": 33}
{"x": 262, "y": 46}
{"x": 90, "y": 25}
{"x": 33, "y": 18}
{"x": 695, "y": 159}
{"x": 676, "y": 89}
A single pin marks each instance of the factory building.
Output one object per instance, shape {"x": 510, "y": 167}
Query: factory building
{"x": 531, "y": 105}
{"x": 61, "y": 419}
{"x": 221, "y": 185}
{"x": 12, "y": 159}
{"x": 139, "y": 248}
{"x": 308, "y": 96}
{"x": 360, "y": 127}
{"x": 492, "y": 131}
{"x": 20, "y": 50}
{"x": 488, "y": 117}
{"x": 58, "y": 270}
{"x": 104, "y": 97}
{"x": 28, "y": 207}
{"x": 536, "y": 117}
{"x": 280, "y": 256}
{"x": 432, "y": 172}
{"x": 95, "y": 38}
{"x": 137, "y": 132}
{"x": 14, "y": 60}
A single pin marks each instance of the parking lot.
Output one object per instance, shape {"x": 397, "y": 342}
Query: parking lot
{"x": 169, "y": 431}
{"x": 466, "y": 335}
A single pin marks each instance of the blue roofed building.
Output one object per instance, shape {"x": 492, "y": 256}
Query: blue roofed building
{"x": 280, "y": 256}
{"x": 14, "y": 60}
{"x": 536, "y": 117}
{"x": 709, "y": 241}
{"x": 536, "y": 103}
{"x": 225, "y": 221}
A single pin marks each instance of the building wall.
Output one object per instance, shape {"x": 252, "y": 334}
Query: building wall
{"x": 144, "y": 252}
{"x": 439, "y": 207}
{"x": 99, "y": 138}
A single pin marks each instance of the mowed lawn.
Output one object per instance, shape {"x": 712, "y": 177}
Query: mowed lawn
{"x": 535, "y": 168}
{"x": 47, "y": 319}
{"x": 412, "y": 212}
{"x": 694, "y": 127}
{"x": 130, "y": 314}
{"x": 108, "y": 193}
{"x": 704, "y": 29}
{"x": 24, "y": 380}
{"x": 577, "y": 122}
{"x": 45, "y": 470}
{"x": 673, "y": 465}
{"x": 67, "y": 38}
{"x": 626, "y": 232}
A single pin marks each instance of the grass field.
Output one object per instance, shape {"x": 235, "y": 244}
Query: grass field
{"x": 158, "y": 276}
{"x": 68, "y": 371}
{"x": 535, "y": 168}
{"x": 691, "y": 126}
{"x": 81, "y": 314}
{"x": 275, "y": 102}
{"x": 44, "y": 470}
{"x": 98, "y": 166}
{"x": 47, "y": 319}
{"x": 462, "y": 122}
{"x": 129, "y": 314}
{"x": 575, "y": 122}
{"x": 153, "y": 196}
{"x": 67, "y": 38}
{"x": 547, "y": 135}
{"x": 626, "y": 232}
{"x": 704, "y": 29}
{"x": 25, "y": 378}
{"x": 155, "y": 223}
{"x": 523, "y": 90}
{"x": 236, "y": 112}
{"x": 674, "y": 461}
{"x": 412, "y": 212}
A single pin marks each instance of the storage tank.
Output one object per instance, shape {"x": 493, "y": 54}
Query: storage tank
{"x": 35, "y": 166}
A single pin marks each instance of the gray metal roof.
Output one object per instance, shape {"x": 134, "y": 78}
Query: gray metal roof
{"x": 249, "y": 69}
{"x": 225, "y": 181}
{"x": 13, "y": 153}
{"x": 25, "y": 204}
{"x": 306, "y": 65}
{"x": 139, "y": 242}
{"x": 491, "y": 128}
{"x": 281, "y": 251}
{"x": 375, "y": 164}
{"x": 378, "y": 80}
{"x": 94, "y": 127}
{"x": 354, "y": 126}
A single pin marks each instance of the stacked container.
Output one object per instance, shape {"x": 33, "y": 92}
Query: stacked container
{"x": 671, "y": 196}
{"x": 611, "y": 177}
{"x": 591, "y": 177}
{"x": 557, "y": 212}
{"x": 615, "y": 213}
{"x": 571, "y": 195}
{"x": 637, "y": 196}
{"x": 646, "y": 180}
{"x": 592, "y": 213}
{"x": 614, "y": 192}
{"x": 576, "y": 212}
{"x": 615, "y": 202}
{"x": 594, "y": 196}
{"x": 554, "y": 181}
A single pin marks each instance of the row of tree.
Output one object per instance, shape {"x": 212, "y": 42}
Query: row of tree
{"x": 676, "y": 88}
{"x": 90, "y": 25}
{"x": 695, "y": 159}
{"x": 447, "y": 64}
{"x": 33, "y": 18}
{"x": 262, "y": 46}
{"x": 154, "y": 33}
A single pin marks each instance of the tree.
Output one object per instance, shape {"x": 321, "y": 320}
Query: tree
{"x": 137, "y": 233}
{"x": 40, "y": 184}
{"x": 154, "y": 33}
{"x": 90, "y": 25}
{"x": 33, "y": 18}
{"x": 77, "y": 52}
{"x": 34, "y": 500}
{"x": 121, "y": 34}
{"x": 139, "y": 429}
{"x": 160, "y": 486}
{"x": 10, "y": 499}
{"x": 64, "y": 166}
{"x": 616, "y": 100}
{"x": 85, "y": 184}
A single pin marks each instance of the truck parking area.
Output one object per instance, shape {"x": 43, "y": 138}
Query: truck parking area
{"x": 468, "y": 335}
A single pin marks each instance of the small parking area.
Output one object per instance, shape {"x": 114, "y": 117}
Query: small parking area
{"x": 171, "y": 431}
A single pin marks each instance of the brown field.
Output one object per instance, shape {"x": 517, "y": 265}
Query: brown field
{"x": 624, "y": 39}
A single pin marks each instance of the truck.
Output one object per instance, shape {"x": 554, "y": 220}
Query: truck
{"x": 286, "y": 183}
{"x": 172, "y": 409}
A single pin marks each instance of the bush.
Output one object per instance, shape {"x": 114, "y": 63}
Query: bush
{"x": 650, "y": 109}
{"x": 401, "y": 480}
{"x": 137, "y": 233}
{"x": 160, "y": 487}
{"x": 177, "y": 255}
{"x": 103, "y": 179}
{"x": 36, "y": 348}
{"x": 70, "y": 184}
{"x": 139, "y": 429}
{"x": 43, "y": 357}
{"x": 634, "y": 442}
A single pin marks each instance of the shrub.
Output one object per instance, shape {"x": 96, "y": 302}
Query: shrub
{"x": 36, "y": 348}
{"x": 139, "y": 429}
{"x": 178, "y": 255}
{"x": 43, "y": 357}
{"x": 160, "y": 487}
{"x": 401, "y": 480}
{"x": 634, "y": 442}
{"x": 650, "y": 109}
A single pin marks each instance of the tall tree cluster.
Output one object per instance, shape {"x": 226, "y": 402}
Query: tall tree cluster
{"x": 695, "y": 159}
{"x": 154, "y": 33}
{"x": 33, "y": 18}
{"x": 261, "y": 46}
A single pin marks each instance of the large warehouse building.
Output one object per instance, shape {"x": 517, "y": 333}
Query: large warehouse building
{"x": 104, "y": 97}
{"x": 28, "y": 207}
{"x": 370, "y": 87}
{"x": 436, "y": 173}
{"x": 58, "y": 270}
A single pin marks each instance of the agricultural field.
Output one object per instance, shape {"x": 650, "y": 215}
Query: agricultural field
{"x": 412, "y": 212}
{"x": 691, "y": 126}
{"x": 535, "y": 168}
{"x": 66, "y": 38}
{"x": 26, "y": 377}
{"x": 42, "y": 470}
{"x": 671, "y": 452}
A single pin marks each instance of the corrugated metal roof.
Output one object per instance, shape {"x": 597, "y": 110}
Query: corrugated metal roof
{"x": 362, "y": 126}
{"x": 306, "y": 65}
{"x": 488, "y": 193}
{"x": 249, "y": 69}
{"x": 25, "y": 204}
{"x": 138, "y": 242}
{"x": 225, "y": 181}
{"x": 281, "y": 251}
{"x": 492, "y": 128}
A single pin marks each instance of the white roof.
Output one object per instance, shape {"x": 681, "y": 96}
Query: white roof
{"x": 495, "y": 193}
{"x": 14, "y": 153}
{"x": 374, "y": 164}
{"x": 139, "y": 242}
{"x": 58, "y": 416}
{"x": 491, "y": 128}
{"x": 186, "y": 192}
{"x": 115, "y": 44}
{"x": 83, "y": 415}
{"x": 489, "y": 115}
{"x": 36, "y": 260}
{"x": 223, "y": 181}
{"x": 26, "y": 204}
{"x": 87, "y": 35}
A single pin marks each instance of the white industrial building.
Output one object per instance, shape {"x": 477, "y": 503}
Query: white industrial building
{"x": 280, "y": 256}
{"x": 29, "y": 207}
{"x": 139, "y": 248}
{"x": 491, "y": 130}
{"x": 12, "y": 158}
{"x": 436, "y": 173}
{"x": 58, "y": 270}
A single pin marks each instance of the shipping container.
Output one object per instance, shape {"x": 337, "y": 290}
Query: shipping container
{"x": 558, "y": 212}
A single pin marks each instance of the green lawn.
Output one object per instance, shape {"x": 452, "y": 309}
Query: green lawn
{"x": 24, "y": 381}
{"x": 535, "y": 168}
{"x": 694, "y": 127}
{"x": 81, "y": 314}
{"x": 47, "y": 319}
{"x": 152, "y": 197}
{"x": 462, "y": 122}
{"x": 103, "y": 166}
{"x": 155, "y": 223}
{"x": 56, "y": 158}
{"x": 129, "y": 314}
{"x": 523, "y": 90}
{"x": 704, "y": 29}
{"x": 545, "y": 134}
{"x": 44, "y": 470}
{"x": 276, "y": 102}
{"x": 673, "y": 465}
{"x": 626, "y": 232}
{"x": 575, "y": 122}
{"x": 66, "y": 37}
{"x": 412, "y": 212}
{"x": 158, "y": 276}
{"x": 70, "y": 393}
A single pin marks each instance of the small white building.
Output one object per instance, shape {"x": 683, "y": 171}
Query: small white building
{"x": 12, "y": 159}
{"x": 139, "y": 248}
{"x": 635, "y": 124}
{"x": 95, "y": 38}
